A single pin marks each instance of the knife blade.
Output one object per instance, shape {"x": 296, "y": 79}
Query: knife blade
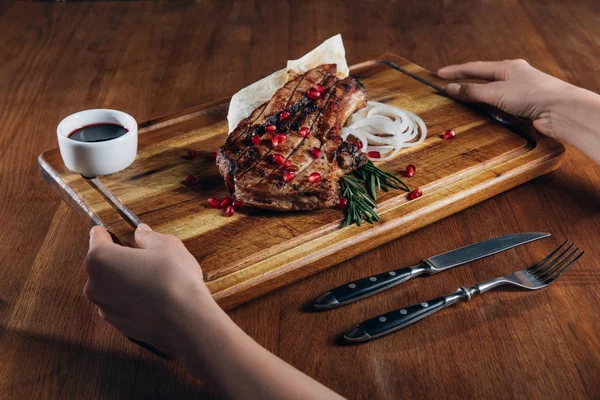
{"x": 365, "y": 287}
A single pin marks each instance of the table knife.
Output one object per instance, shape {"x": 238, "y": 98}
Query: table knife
{"x": 356, "y": 290}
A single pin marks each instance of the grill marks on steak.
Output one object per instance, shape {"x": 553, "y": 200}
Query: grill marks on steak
{"x": 248, "y": 169}
{"x": 295, "y": 141}
{"x": 337, "y": 158}
{"x": 238, "y": 154}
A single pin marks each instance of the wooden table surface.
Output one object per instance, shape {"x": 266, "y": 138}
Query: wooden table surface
{"x": 151, "y": 59}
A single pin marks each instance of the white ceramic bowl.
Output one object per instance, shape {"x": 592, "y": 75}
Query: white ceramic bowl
{"x": 92, "y": 159}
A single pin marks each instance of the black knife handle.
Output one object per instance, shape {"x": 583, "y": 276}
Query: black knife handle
{"x": 398, "y": 319}
{"x": 364, "y": 287}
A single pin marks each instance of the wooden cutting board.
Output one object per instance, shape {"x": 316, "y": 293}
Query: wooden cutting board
{"x": 255, "y": 251}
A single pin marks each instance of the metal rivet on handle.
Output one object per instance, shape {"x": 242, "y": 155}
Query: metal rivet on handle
{"x": 392, "y": 273}
{"x": 352, "y": 286}
{"x": 372, "y": 279}
{"x": 382, "y": 319}
{"x": 403, "y": 311}
{"x": 425, "y": 304}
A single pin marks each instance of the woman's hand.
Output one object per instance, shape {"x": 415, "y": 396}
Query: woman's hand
{"x": 557, "y": 108}
{"x": 514, "y": 86}
{"x": 144, "y": 292}
{"x": 156, "y": 294}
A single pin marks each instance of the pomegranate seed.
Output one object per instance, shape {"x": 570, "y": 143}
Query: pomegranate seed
{"x": 449, "y": 134}
{"x": 288, "y": 176}
{"x": 313, "y": 94}
{"x": 237, "y": 204}
{"x": 270, "y": 128}
{"x": 281, "y": 138}
{"x": 278, "y": 159}
{"x": 214, "y": 203}
{"x": 284, "y": 115}
{"x": 191, "y": 154}
{"x": 343, "y": 204}
{"x": 314, "y": 177}
{"x": 275, "y": 142}
{"x": 374, "y": 154}
{"x": 225, "y": 202}
{"x": 415, "y": 193}
{"x": 256, "y": 140}
{"x": 304, "y": 132}
{"x": 319, "y": 88}
{"x": 358, "y": 144}
{"x": 287, "y": 163}
{"x": 229, "y": 211}
{"x": 212, "y": 156}
{"x": 315, "y": 152}
{"x": 191, "y": 180}
{"x": 410, "y": 170}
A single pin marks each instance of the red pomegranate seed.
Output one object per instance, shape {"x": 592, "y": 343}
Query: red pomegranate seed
{"x": 281, "y": 138}
{"x": 410, "y": 170}
{"x": 256, "y": 140}
{"x": 358, "y": 144}
{"x": 287, "y": 163}
{"x": 319, "y": 88}
{"x": 284, "y": 115}
{"x": 214, "y": 203}
{"x": 191, "y": 154}
{"x": 270, "y": 128}
{"x": 374, "y": 154}
{"x": 288, "y": 176}
{"x": 278, "y": 159}
{"x": 415, "y": 193}
{"x": 275, "y": 142}
{"x": 315, "y": 152}
{"x": 191, "y": 180}
{"x": 237, "y": 204}
{"x": 449, "y": 134}
{"x": 225, "y": 202}
{"x": 304, "y": 132}
{"x": 229, "y": 211}
{"x": 314, "y": 177}
{"x": 212, "y": 156}
{"x": 313, "y": 94}
{"x": 343, "y": 204}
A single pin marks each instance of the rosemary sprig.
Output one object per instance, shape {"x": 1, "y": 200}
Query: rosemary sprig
{"x": 360, "y": 188}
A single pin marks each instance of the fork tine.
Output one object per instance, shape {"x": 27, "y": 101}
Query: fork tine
{"x": 558, "y": 263}
{"x": 548, "y": 257}
{"x": 543, "y": 269}
{"x": 564, "y": 269}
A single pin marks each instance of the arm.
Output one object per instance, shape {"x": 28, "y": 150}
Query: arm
{"x": 558, "y": 109}
{"x": 156, "y": 294}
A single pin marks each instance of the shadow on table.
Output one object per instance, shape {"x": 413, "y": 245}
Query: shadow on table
{"x": 35, "y": 365}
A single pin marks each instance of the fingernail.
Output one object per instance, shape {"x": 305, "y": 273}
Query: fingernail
{"x": 144, "y": 228}
{"x": 453, "y": 89}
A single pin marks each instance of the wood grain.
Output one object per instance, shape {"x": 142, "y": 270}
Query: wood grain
{"x": 256, "y": 252}
{"x": 153, "y": 59}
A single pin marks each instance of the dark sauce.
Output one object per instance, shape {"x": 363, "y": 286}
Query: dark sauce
{"x": 98, "y": 133}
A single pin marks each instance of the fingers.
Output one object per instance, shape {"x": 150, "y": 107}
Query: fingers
{"x": 99, "y": 235}
{"x": 489, "y": 93}
{"x": 146, "y": 238}
{"x": 487, "y": 70}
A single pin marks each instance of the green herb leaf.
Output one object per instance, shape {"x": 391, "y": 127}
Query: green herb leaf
{"x": 360, "y": 188}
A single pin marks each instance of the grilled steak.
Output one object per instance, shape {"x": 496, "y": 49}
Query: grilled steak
{"x": 288, "y": 154}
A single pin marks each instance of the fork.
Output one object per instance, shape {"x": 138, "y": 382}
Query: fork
{"x": 536, "y": 277}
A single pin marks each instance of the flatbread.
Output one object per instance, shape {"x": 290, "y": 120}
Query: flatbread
{"x": 249, "y": 98}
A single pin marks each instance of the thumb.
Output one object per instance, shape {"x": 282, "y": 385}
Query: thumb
{"x": 146, "y": 238}
{"x": 99, "y": 235}
{"x": 488, "y": 93}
